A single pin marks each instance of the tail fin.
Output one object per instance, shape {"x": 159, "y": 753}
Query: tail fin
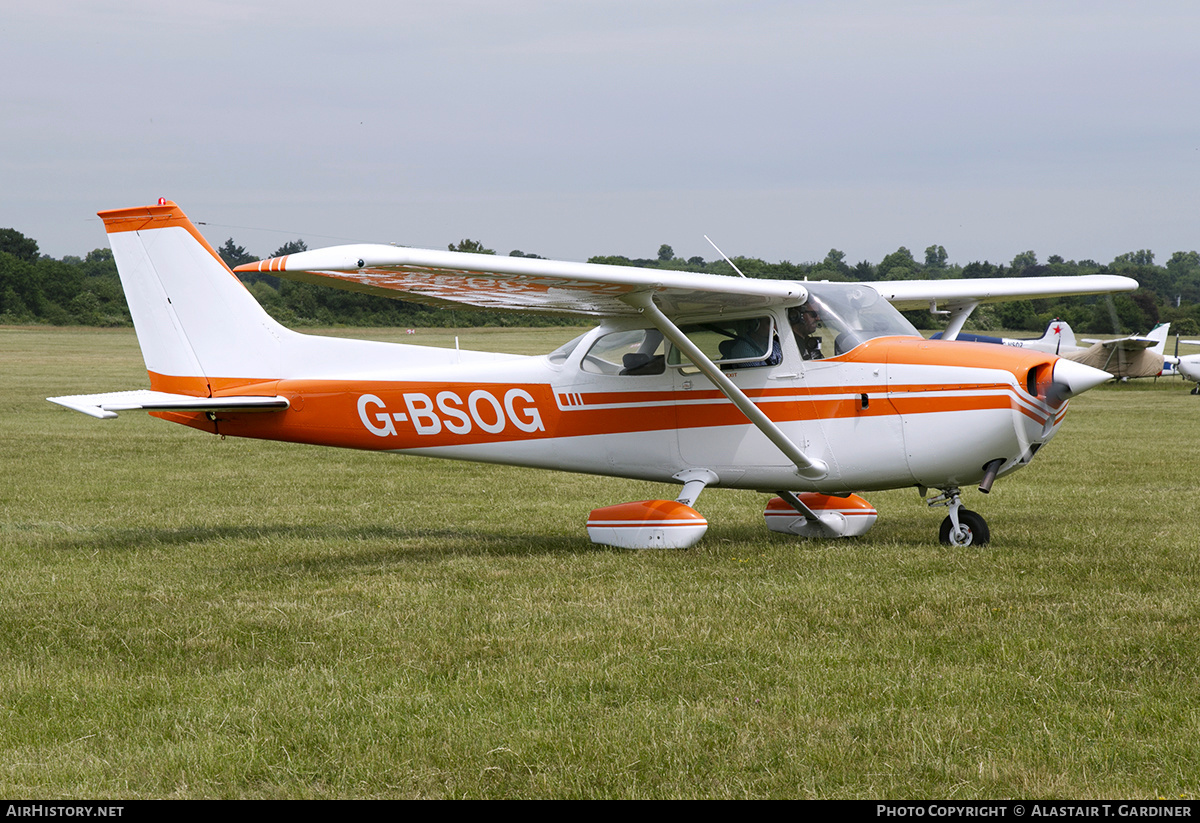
{"x": 204, "y": 335}
{"x": 195, "y": 321}
{"x": 1159, "y": 335}
{"x": 1060, "y": 335}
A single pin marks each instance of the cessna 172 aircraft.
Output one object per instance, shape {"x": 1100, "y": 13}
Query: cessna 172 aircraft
{"x": 809, "y": 391}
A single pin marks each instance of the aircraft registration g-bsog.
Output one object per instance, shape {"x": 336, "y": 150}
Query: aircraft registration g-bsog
{"x": 808, "y": 391}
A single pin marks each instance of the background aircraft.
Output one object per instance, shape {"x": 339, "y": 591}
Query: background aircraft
{"x": 1123, "y": 357}
{"x": 1187, "y": 365}
{"x": 809, "y": 391}
{"x": 1057, "y": 338}
{"x": 1126, "y": 357}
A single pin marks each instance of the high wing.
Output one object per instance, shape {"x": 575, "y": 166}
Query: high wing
{"x": 953, "y": 294}
{"x": 523, "y": 284}
{"x": 1156, "y": 339}
{"x": 1125, "y": 343}
{"x": 958, "y": 298}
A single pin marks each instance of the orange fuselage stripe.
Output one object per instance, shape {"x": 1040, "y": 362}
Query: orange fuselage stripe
{"x": 389, "y": 415}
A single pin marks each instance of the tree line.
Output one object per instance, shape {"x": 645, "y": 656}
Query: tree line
{"x": 38, "y": 289}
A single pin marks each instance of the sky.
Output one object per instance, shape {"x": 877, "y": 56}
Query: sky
{"x": 574, "y": 128}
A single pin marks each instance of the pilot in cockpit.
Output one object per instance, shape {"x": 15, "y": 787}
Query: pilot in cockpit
{"x": 804, "y": 321}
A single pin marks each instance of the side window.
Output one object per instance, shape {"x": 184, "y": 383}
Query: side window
{"x": 560, "y": 355}
{"x": 732, "y": 344}
{"x": 632, "y": 352}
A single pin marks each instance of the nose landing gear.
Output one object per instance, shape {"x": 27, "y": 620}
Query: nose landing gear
{"x": 962, "y": 527}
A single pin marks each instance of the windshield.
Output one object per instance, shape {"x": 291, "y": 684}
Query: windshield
{"x": 840, "y": 316}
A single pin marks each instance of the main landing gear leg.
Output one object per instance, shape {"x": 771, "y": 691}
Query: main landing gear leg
{"x": 962, "y": 527}
{"x": 694, "y": 481}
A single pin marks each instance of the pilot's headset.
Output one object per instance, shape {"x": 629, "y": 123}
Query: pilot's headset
{"x": 795, "y": 313}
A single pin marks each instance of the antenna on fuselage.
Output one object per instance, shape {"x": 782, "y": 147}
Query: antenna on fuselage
{"x": 727, "y": 260}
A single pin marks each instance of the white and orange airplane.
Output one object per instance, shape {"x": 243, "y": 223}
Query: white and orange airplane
{"x": 808, "y": 391}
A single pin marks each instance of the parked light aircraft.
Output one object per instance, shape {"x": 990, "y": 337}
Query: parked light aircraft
{"x": 1188, "y": 365}
{"x": 1122, "y": 357}
{"x": 810, "y": 391}
{"x": 1126, "y": 357}
{"x": 1057, "y": 339}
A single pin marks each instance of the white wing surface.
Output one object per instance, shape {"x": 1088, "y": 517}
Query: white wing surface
{"x": 950, "y": 294}
{"x": 1125, "y": 343}
{"x": 524, "y": 284}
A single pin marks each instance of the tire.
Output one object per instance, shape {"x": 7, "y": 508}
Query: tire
{"x": 977, "y": 530}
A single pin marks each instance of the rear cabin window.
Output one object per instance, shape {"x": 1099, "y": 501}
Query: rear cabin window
{"x": 631, "y": 352}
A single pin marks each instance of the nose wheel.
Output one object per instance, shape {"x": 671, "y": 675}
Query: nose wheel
{"x": 962, "y": 527}
{"x": 972, "y": 530}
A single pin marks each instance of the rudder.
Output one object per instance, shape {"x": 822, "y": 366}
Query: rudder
{"x": 1059, "y": 334}
{"x": 195, "y": 321}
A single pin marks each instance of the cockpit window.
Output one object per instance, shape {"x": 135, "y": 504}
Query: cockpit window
{"x": 839, "y": 316}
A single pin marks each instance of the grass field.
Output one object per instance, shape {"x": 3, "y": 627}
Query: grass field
{"x": 184, "y": 616}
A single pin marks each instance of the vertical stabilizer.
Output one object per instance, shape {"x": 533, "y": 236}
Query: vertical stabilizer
{"x": 1058, "y": 335}
{"x": 195, "y": 321}
{"x": 1159, "y": 335}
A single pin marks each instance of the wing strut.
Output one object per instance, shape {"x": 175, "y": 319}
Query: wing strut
{"x": 808, "y": 467}
{"x": 958, "y": 316}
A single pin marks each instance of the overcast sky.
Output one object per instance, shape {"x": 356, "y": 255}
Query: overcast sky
{"x": 571, "y": 128}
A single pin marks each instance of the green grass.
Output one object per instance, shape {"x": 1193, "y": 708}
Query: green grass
{"x": 185, "y": 616}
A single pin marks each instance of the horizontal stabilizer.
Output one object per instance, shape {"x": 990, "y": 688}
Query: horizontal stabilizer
{"x": 107, "y": 405}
